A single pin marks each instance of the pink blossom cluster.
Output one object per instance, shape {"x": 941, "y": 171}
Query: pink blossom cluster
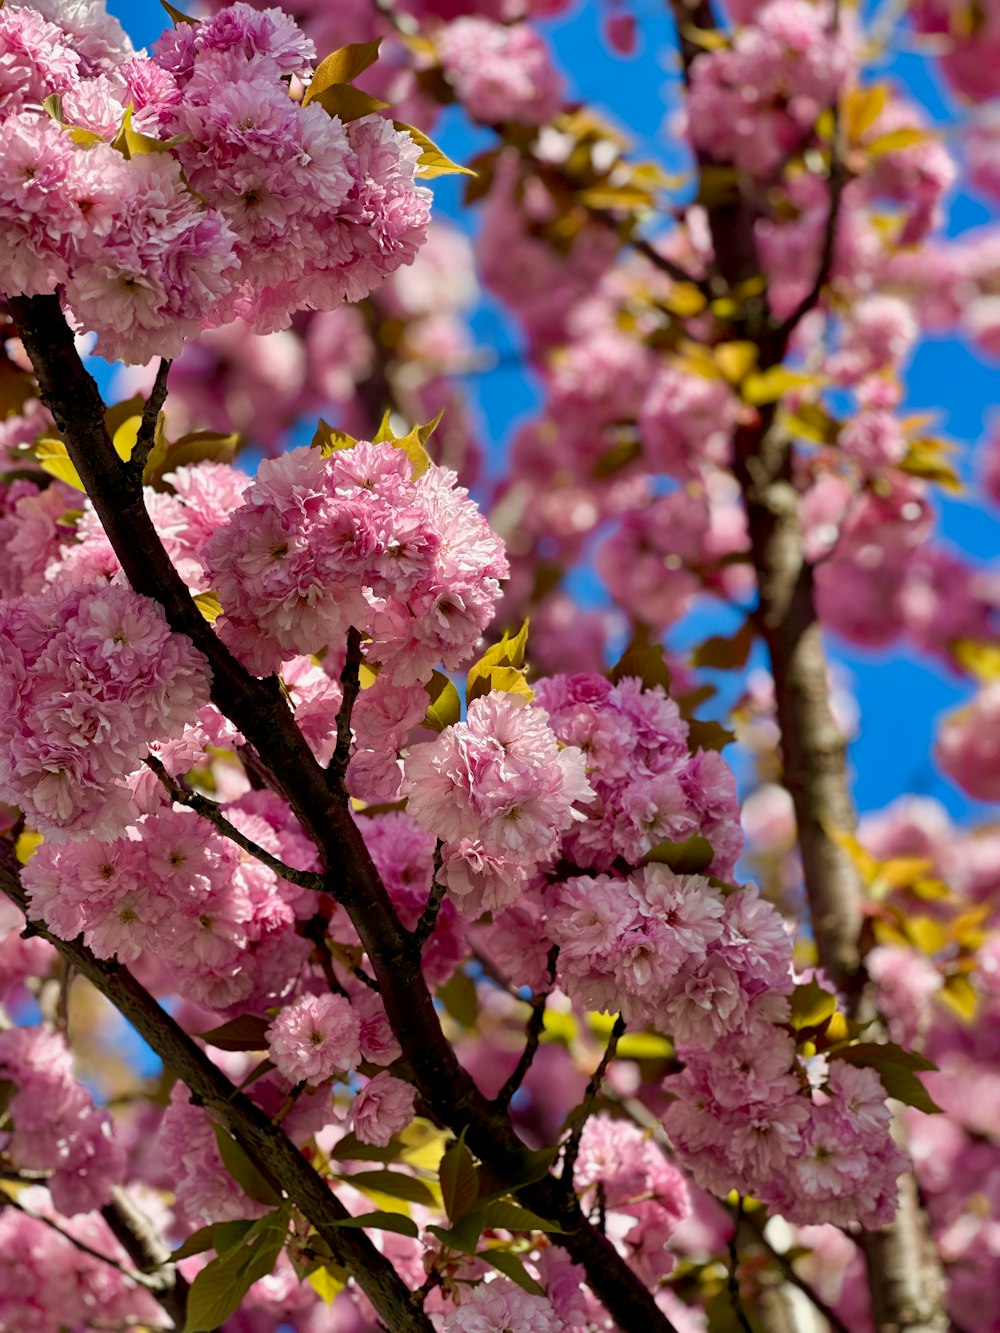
{"x": 669, "y": 951}
{"x": 755, "y": 102}
{"x": 324, "y": 543}
{"x": 638, "y": 1187}
{"x": 254, "y": 206}
{"x": 969, "y": 49}
{"x": 222, "y": 923}
{"x": 648, "y": 787}
{"x": 500, "y": 72}
{"x": 813, "y": 1144}
{"x": 54, "y": 1125}
{"x": 499, "y": 791}
{"x": 47, "y": 1284}
{"x": 91, "y": 678}
{"x": 499, "y": 1305}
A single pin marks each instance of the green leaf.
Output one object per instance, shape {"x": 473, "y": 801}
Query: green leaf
{"x": 220, "y": 1287}
{"x": 895, "y": 1067}
{"x": 464, "y": 1234}
{"x": 508, "y": 1263}
{"x": 504, "y": 1216}
{"x": 175, "y": 14}
{"x": 341, "y": 99}
{"x": 381, "y": 1221}
{"x": 812, "y": 1006}
{"x": 705, "y": 734}
{"x": 351, "y": 1149}
{"x": 246, "y": 1033}
{"x": 459, "y": 997}
{"x": 342, "y": 66}
{"x": 243, "y": 1170}
{"x": 219, "y": 1236}
{"x": 459, "y": 1181}
{"x": 724, "y": 654}
{"x": 689, "y": 857}
{"x": 644, "y": 660}
{"x": 198, "y": 446}
{"x": 392, "y": 1184}
{"x": 444, "y": 707}
{"x": 432, "y": 161}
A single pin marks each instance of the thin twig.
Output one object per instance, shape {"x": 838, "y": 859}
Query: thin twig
{"x": 733, "y": 1281}
{"x": 350, "y": 680}
{"x": 140, "y": 1279}
{"x": 581, "y": 1115}
{"x": 535, "y": 1028}
{"x": 788, "y": 1272}
{"x": 148, "y": 1250}
{"x": 424, "y": 928}
{"x": 201, "y": 805}
{"x": 838, "y": 178}
{"x": 146, "y": 437}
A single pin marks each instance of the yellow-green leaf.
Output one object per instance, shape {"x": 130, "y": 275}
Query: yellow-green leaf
{"x": 511, "y": 1266}
{"x": 381, "y": 1221}
{"x": 773, "y": 384}
{"x": 444, "y": 707}
{"x": 896, "y": 140}
{"x": 982, "y": 659}
{"x": 501, "y": 668}
{"x": 131, "y": 143}
{"x": 209, "y": 605}
{"x": 735, "y": 359}
{"x": 341, "y": 67}
{"x": 961, "y": 997}
{"x": 862, "y": 107}
{"x": 325, "y": 1285}
{"x": 432, "y": 161}
{"x": 811, "y": 1006}
{"x": 53, "y": 458}
{"x": 28, "y": 843}
{"x": 347, "y": 102}
{"x": 330, "y": 440}
{"x": 391, "y": 1185}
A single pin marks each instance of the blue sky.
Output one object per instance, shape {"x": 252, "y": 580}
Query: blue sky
{"x": 900, "y": 696}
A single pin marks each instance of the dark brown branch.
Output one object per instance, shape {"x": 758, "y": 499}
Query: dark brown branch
{"x": 427, "y": 920}
{"x": 581, "y": 1115}
{"x": 266, "y": 1143}
{"x": 150, "y": 415}
{"x": 733, "y": 1280}
{"x": 535, "y": 1028}
{"x": 787, "y": 1270}
{"x": 259, "y": 711}
{"x": 209, "y": 811}
{"x": 350, "y": 681}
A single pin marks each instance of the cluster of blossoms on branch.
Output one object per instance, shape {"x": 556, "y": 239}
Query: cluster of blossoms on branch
{"x": 172, "y": 194}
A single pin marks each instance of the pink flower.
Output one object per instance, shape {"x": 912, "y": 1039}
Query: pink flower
{"x": 501, "y": 1306}
{"x": 314, "y": 1038}
{"x": 381, "y": 1109}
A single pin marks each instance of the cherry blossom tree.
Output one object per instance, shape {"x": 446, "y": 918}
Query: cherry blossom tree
{"x": 379, "y": 797}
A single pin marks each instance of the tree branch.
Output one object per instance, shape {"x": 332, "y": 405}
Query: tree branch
{"x": 209, "y": 810}
{"x": 581, "y": 1115}
{"x": 259, "y": 711}
{"x": 150, "y": 415}
{"x": 265, "y": 1142}
{"x": 350, "y": 680}
{"x": 147, "y": 1250}
{"x": 536, "y": 1026}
